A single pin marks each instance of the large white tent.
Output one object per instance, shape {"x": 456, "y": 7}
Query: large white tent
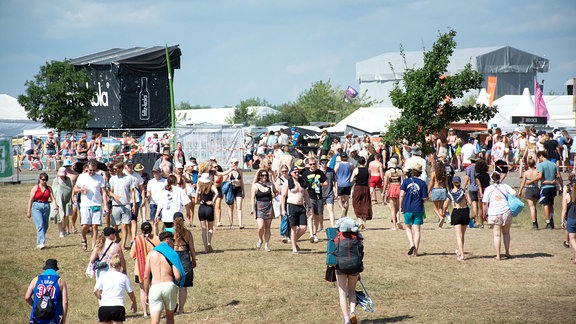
{"x": 13, "y": 118}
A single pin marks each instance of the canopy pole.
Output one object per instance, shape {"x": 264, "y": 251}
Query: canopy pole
{"x": 171, "y": 87}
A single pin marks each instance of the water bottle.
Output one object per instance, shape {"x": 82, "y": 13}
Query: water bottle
{"x": 471, "y": 225}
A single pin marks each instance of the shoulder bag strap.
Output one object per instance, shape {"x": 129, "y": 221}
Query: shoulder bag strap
{"x": 147, "y": 239}
{"x": 108, "y": 248}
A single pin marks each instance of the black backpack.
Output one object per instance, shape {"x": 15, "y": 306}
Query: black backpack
{"x": 45, "y": 306}
{"x": 349, "y": 251}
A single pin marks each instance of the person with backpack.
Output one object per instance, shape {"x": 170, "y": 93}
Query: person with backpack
{"x": 48, "y": 296}
{"x": 413, "y": 194}
{"x": 349, "y": 252}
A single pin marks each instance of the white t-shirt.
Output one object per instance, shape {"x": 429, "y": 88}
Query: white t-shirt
{"x": 467, "y": 150}
{"x": 155, "y": 187}
{"x": 498, "y": 151}
{"x": 171, "y": 202}
{"x": 496, "y": 196}
{"x": 113, "y": 283}
{"x": 94, "y": 184}
{"x": 122, "y": 187}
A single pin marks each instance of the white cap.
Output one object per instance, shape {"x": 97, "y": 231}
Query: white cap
{"x": 178, "y": 165}
{"x": 234, "y": 160}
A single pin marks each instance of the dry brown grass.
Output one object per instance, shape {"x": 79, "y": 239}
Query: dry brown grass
{"x": 239, "y": 284}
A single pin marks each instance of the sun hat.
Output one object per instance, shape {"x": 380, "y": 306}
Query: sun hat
{"x": 299, "y": 164}
{"x": 474, "y": 158}
{"x": 346, "y": 224}
{"x": 417, "y": 167}
{"x": 62, "y": 171}
{"x": 139, "y": 167}
{"x": 205, "y": 177}
{"x": 67, "y": 163}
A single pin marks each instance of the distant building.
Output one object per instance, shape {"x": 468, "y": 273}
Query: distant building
{"x": 514, "y": 69}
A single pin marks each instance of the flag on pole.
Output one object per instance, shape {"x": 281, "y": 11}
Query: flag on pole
{"x": 351, "y": 92}
{"x": 539, "y": 104}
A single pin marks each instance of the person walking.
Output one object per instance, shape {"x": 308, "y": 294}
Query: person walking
{"x": 549, "y": 176}
{"x": 105, "y": 248}
{"x": 172, "y": 199}
{"x": 63, "y": 187}
{"x": 122, "y": 192}
{"x": 413, "y": 194}
{"x": 393, "y": 178}
{"x": 162, "y": 277}
{"x": 237, "y": 186}
{"x": 109, "y": 290}
{"x": 437, "y": 190}
{"x": 262, "y": 193}
{"x": 532, "y": 193}
{"x": 206, "y": 195}
{"x": 569, "y": 214}
{"x": 48, "y": 282}
{"x": 143, "y": 244}
{"x": 497, "y": 213}
{"x": 296, "y": 204}
{"x": 316, "y": 180}
{"x": 184, "y": 247}
{"x": 361, "y": 201}
{"x": 330, "y": 191}
{"x": 472, "y": 189}
{"x": 343, "y": 172}
{"x": 39, "y": 208}
{"x": 460, "y": 217}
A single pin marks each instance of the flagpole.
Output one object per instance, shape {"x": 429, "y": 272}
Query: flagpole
{"x": 171, "y": 88}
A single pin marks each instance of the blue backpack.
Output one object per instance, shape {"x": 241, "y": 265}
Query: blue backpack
{"x": 228, "y": 192}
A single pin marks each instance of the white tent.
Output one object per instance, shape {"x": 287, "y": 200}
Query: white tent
{"x": 370, "y": 120}
{"x": 13, "y": 118}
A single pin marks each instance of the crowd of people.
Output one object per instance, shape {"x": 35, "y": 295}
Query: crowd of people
{"x": 287, "y": 182}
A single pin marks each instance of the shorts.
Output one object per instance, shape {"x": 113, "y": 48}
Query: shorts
{"x": 191, "y": 191}
{"x": 111, "y": 314}
{"x": 460, "y": 216}
{"x": 137, "y": 211}
{"x": 237, "y": 191}
{"x": 220, "y": 195}
{"x": 393, "y": 191}
{"x": 317, "y": 206}
{"x": 206, "y": 213}
{"x": 329, "y": 200}
{"x": 438, "y": 194}
{"x": 296, "y": 215}
{"x": 344, "y": 191}
{"x": 153, "y": 210}
{"x": 29, "y": 152}
{"x": 501, "y": 219}
{"x": 50, "y": 152}
{"x": 121, "y": 214}
{"x": 571, "y": 225}
{"x": 375, "y": 182}
{"x": 90, "y": 215}
{"x": 163, "y": 295}
{"x": 547, "y": 195}
{"x": 473, "y": 195}
{"x": 416, "y": 218}
{"x": 532, "y": 193}
{"x": 501, "y": 166}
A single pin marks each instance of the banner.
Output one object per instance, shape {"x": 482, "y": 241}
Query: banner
{"x": 539, "y": 104}
{"x": 491, "y": 89}
{"x": 7, "y": 173}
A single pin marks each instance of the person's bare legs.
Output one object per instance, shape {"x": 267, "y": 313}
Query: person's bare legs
{"x": 295, "y": 233}
{"x": 347, "y": 288}
{"x": 125, "y": 230}
{"x": 143, "y": 298}
{"x": 506, "y": 236}
{"x": 72, "y": 224}
{"x": 393, "y": 205}
{"x": 438, "y": 208}
{"x": 416, "y": 239}
{"x": 572, "y": 237}
{"x": 533, "y": 211}
{"x": 267, "y": 234}
{"x": 204, "y": 226}
{"x": 218, "y": 211}
{"x": 169, "y": 316}
{"x": 239, "y": 210}
{"x": 94, "y": 235}
{"x": 182, "y": 295}
{"x": 344, "y": 200}
{"x": 460, "y": 231}
{"x": 260, "y": 223}
{"x": 231, "y": 215}
{"x": 497, "y": 231}
{"x": 330, "y": 209}
{"x": 155, "y": 317}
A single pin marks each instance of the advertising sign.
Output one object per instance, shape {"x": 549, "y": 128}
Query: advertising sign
{"x": 7, "y": 173}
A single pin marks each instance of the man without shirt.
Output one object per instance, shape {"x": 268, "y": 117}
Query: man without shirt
{"x": 122, "y": 193}
{"x": 376, "y": 178}
{"x": 159, "y": 282}
{"x": 294, "y": 201}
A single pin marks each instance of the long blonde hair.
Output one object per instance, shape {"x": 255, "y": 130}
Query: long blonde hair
{"x": 115, "y": 262}
{"x": 100, "y": 241}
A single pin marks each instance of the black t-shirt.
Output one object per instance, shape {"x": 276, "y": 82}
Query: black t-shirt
{"x": 315, "y": 179}
{"x": 550, "y": 146}
{"x": 484, "y": 180}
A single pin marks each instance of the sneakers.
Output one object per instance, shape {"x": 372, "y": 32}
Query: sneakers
{"x": 549, "y": 226}
{"x": 441, "y": 222}
{"x": 258, "y": 244}
{"x": 311, "y": 238}
{"x": 315, "y": 238}
{"x": 566, "y": 244}
{"x": 534, "y": 225}
{"x": 40, "y": 246}
{"x": 284, "y": 239}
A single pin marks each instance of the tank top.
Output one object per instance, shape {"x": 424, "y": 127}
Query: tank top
{"x": 362, "y": 177}
{"x": 343, "y": 175}
{"x": 48, "y": 280}
{"x": 571, "y": 213}
{"x": 207, "y": 197}
{"x": 263, "y": 195}
{"x": 394, "y": 176}
{"x": 41, "y": 196}
{"x": 50, "y": 144}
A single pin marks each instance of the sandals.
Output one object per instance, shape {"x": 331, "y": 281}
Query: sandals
{"x": 84, "y": 245}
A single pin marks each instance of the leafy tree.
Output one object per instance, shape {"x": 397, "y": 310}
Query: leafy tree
{"x": 425, "y": 97}
{"x": 243, "y": 114}
{"x": 323, "y": 100}
{"x": 59, "y": 97}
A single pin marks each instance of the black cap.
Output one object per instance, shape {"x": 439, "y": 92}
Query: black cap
{"x": 178, "y": 214}
{"x": 108, "y": 231}
{"x": 343, "y": 155}
{"x": 51, "y": 264}
{"x": 129, "y": 161}
{"x": 146, "y": 227}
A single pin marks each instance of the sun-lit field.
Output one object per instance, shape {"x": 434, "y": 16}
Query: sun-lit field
{"x": 241, "y": 284}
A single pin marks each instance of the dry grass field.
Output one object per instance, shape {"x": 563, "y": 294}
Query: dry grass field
{"x": 240, "y": 284}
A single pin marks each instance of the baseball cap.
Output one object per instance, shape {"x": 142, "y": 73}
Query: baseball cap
{"x": 108, "y": 231}
{"x": 62, "y": 171}
{"x": 456, "y": 179}
{"x": 178, "y": 165}
{"x": 234, "y": 160}
{"x": 129, "y": 161}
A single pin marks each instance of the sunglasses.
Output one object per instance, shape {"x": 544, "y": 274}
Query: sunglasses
{"x": 284, "y": 171}
{"x": 312, "y": 164}
{"x": 91, "y": 170}
{"x": 43, "y": 179}
{"x": 264, "y": 175}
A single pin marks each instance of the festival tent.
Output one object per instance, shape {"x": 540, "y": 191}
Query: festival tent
{"x": 367, "y": 120}
{"x": 514, "y": 69}
{"x": 13, "y": 118}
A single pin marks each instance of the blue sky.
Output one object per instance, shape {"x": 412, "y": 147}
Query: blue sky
{"x": 233, "y": 50}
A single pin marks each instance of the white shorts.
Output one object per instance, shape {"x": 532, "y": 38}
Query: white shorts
{"x": 90, "y": 216}
{"x": 121, "y": 214}
{"x": 163, "y": 295}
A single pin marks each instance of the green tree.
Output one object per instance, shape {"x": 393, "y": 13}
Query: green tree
{"x": 59, "y": 97}
{"x": 322, "y": 102}
{"x": 425, "y": 97}
{"x": 243, "y": 114}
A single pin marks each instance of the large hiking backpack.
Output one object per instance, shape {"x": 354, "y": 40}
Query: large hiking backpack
{"x": 45, "y": 306}
{"x": 349, "y": 251}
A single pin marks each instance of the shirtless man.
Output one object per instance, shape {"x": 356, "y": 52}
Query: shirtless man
{"x": 162, "y": 292}
{"x": 376, "y": 178}
{"x": 164, "y": 163}
{"x": 294, "y": 199}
